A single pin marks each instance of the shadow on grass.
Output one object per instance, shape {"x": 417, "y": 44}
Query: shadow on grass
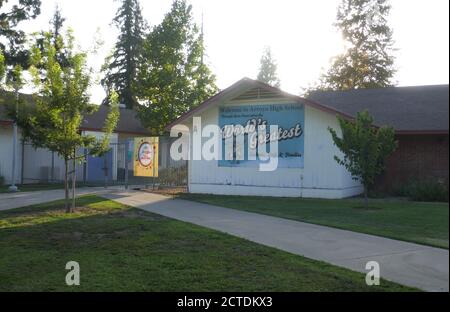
{"x": 126, "y": 249}
{"x": 53, "y": 212}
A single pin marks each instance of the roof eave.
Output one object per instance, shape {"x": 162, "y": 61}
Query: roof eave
{"x": 422, "y": 132}
{"x": 251, "y": 83}
{"x": 115, "y": 131}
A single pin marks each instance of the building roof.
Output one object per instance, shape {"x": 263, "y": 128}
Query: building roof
{"x": 423, "y": 109}
{"x": 128, "y": 123}
{"x": 407, "y": 109}
{"x": 239, "y": 89}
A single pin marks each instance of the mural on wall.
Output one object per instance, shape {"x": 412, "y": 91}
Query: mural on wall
{"x": 146, "y": 157}
{"x": 290, "y": 119}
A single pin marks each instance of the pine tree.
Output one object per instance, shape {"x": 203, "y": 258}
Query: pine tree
{"x": 13, "y": 49}
{"x": 174, "y": 77}
{"x": 368, "y": 61}
{"x": 121, "y": 68}
{"x": 268, "y": 69}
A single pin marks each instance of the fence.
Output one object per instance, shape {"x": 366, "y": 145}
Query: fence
{"x": 113, "y": 168}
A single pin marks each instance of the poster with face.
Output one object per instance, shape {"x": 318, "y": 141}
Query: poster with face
{"x": 245, "y": 119}
{"x": 146, "y": 157}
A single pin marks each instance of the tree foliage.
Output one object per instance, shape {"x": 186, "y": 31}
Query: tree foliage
{"x": 174, "y": 77}
{"x": 55, "y": 35}
{"x": 2, "y": 68}
{"x": 12, "y": 39}
{"x": 368, "y": 61}
{"x": 365, "y": 148}
{"x": 121, "y": 68}
{"x": 61, "y": 102}
{"x": 268, "y": 69}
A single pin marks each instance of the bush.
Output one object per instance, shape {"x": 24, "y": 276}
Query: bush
{"x": 425, "y": 191}
{"x": 2, "y": 180}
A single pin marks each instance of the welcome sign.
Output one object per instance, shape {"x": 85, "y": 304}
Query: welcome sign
{"x": 290, "y": 119}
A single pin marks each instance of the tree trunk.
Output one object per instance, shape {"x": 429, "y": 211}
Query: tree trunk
{"x": 74, "y": 181}
{"x": 66, "y": 185}
{"x": 366, "y": 197}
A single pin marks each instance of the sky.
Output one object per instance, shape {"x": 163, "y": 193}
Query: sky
{"x": 300, "y": 34}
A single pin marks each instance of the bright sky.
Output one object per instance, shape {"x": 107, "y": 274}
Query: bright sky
{"x": 299, "y": 32}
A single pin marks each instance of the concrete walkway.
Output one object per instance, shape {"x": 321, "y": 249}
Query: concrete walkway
{"x": 17, "y": 200}
{"x": 409, "y": 264}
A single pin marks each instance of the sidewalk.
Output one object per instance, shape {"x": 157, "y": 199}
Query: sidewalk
{"x": 17, "y": 200}
{"x": 409, "y": 264}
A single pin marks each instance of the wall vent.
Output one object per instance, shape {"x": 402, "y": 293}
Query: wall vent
{"x": 258, "y": 94}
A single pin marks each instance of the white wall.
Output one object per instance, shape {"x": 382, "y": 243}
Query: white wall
{"x": 37, "y": 162}
{"x": 321, "y": 177}
{"x": 6, "y": 154}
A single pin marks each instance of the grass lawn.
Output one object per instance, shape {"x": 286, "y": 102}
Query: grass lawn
{"x": 423, "y": 223}
{"x": 124, "y": 249}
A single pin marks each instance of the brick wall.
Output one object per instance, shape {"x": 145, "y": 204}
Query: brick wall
{"x": 418, "y": 157}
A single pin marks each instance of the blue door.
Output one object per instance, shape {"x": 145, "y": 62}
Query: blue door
{"x": 98, "y": 167}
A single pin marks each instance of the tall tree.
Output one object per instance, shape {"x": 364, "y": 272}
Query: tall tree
{"x": 364, "y": 148}
{"x": 121, "y": 68}
{"x": 62, "y": 101}
{"x": 268, "y": 69}
{"x": 55, "y": 32}
{"x": 174, "y": 77}
{"x": 12, "y": 39}
{"x": 368, "y": 61}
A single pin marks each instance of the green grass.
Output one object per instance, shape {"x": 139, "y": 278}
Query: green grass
{"x": 423, "y": 223}
{"x": 124, "y": 249}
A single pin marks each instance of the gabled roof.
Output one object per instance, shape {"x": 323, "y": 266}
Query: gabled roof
{"x": 242, "y": 86}
{"x": 422, "y": 109}
{"x": 407, "y": 109}
{"x": 128, "y": 123}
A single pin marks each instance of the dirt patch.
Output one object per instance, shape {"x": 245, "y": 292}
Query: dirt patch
{"x": 173, "y": 191}
{"x": 367, "y": 208}
{"x": 138, "y": 214}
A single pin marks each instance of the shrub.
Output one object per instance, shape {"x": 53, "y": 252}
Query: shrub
{"x": 2, "y": 180}
{"x": 429, "y": 191}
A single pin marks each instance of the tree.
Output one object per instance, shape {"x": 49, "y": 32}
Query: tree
{"x": 61, "y": 102}
{"x": 368, "y": 61}
{"x": 12, "y": 39}
{"x": 268, "y": 69}
{"x": 55, "y": 31}
{"x": 121, "y": 67}
{"x": 174, "y": 77}
{"x": 364, "y": 148}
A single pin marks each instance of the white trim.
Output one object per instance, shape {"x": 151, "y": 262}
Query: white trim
{"x": 240, "y": 190}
